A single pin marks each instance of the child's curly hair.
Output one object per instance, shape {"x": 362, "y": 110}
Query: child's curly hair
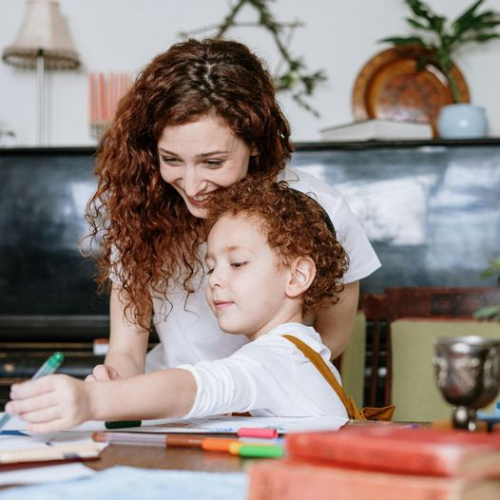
{"x": 296, "y": 226}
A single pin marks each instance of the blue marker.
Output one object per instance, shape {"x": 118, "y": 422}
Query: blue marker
{"x": 50, "y": 366}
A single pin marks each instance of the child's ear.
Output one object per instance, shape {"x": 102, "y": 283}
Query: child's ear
{"x": 302, "y": 274}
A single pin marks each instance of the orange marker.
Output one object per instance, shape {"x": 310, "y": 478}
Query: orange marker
{"x": 217, "y": 444}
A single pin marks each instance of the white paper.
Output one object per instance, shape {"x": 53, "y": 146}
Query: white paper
{"x": 214, "y": 425}
{"x": 48, "y": 474}
{"x": 80, "y": 442}
{"x": 120, "y": 483}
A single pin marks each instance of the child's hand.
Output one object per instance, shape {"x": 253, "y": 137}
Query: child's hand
{"x": 103, "y": 372}
{"x": 50, "y": 404}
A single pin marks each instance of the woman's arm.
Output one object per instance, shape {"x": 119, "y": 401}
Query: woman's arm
{"x": 128, "y": 344}
{"x": 336, "y": 323}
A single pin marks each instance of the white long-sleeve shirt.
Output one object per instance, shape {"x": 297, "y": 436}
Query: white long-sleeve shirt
{"x": 267, "y": 377}
{"x": 188, "y": 329}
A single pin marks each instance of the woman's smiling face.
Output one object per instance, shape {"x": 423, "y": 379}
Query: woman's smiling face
{"x": 200, "y": 157}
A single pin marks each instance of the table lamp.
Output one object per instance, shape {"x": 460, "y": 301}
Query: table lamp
{"x": 42, "y": 42}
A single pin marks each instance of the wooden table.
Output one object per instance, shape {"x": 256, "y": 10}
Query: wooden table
{"x": 158, "y": 457}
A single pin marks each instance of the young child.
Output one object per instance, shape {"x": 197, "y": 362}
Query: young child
{"x": 272, "y": 256}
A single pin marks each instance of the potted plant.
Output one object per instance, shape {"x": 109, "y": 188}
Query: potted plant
{"x": 441, "y": 40}
{"x": 490, "y": 312}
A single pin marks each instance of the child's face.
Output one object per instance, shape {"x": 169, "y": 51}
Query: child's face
{"x": 247, "y": 283}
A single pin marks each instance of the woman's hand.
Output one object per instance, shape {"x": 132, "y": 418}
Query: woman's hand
{"x": 103, "y": 372}
{"x": 50, "y": 404}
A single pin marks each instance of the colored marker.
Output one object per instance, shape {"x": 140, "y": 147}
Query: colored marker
{"x": 141, "y": 438}
{"x": 258, "y": 432}
{"x": 122, "y": 424}
{"x": 257, "y": 450}
{"x": 174, "y": 440}
{"x": 189, "y": 441}
{"x": 217, "y": 444}
{"x": 49, "y": 367}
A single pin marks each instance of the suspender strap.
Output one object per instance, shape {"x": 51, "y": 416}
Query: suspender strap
{"x": 323, "y": 368}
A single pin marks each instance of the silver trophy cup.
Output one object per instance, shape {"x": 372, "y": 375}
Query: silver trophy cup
{"x": 468, "y": 375}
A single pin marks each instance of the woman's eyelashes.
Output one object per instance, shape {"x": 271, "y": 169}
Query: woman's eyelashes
{"x": 169, "y": 160}
{"x": 172, "y": 161}
{"x": 214, "y": 163}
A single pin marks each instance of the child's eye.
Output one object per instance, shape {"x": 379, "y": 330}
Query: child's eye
{"x": 210, "y": 271}
{"x": 238, "y": 264}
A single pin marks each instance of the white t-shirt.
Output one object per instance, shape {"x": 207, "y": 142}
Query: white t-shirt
{"x": 267, "y": 377}
{"x": 187, "y": 328}
{"x": 363, "y": 260}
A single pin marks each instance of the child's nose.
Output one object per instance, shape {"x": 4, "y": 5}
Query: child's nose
{"x": 215, "y": 279}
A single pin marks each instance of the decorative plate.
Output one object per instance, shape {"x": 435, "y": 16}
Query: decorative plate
{"x": 390, "y": 87}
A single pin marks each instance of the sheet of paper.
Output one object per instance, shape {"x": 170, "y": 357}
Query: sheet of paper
{"x": 17, "y": 445}
{"x": 119, "y": 483}
{"x": 232, "y": 424}
{"x": 213, "y": 425}
{"x": 49, "y": 474}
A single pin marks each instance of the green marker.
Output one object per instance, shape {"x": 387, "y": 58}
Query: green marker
{"x": 261, "y": 451}
{"x": 49, "y": 367}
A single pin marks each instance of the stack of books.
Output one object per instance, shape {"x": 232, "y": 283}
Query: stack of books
{"x": 378, "y": 130}
{"x": 382, "y": 463}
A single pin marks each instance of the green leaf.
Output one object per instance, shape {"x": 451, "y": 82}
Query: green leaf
{"x": 481, "y": 38}
{"x": 469, "y": 12}
{"x": 493, "y": 267}
{"x": 488, "y": 312}
{"x": 437, "y": 23}
{"x": 474, "y": 22}
{"x": 420, "y": 9}
{"x": 416, "y": 24}
{"x": 400, "y": 41}
{"x": 487, "y": 273}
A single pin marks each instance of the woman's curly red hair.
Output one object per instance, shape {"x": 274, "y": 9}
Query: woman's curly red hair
{"x": 147, "y": 237}
{"x": 296, "y": 226}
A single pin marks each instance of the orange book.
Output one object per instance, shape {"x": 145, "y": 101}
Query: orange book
{"x": 401, "y": 450}
{"x": 287, "y": 480}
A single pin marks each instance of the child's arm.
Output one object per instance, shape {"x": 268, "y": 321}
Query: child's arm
{"x": 59, "y": 402}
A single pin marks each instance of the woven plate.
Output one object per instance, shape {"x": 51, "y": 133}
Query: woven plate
{"x": 390, "y": 87}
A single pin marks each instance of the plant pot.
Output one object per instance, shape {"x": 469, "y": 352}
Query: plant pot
{"x": 464, "y": 121}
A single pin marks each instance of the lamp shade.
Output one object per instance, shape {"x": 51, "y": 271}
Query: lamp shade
{"x": 44, "y": 32}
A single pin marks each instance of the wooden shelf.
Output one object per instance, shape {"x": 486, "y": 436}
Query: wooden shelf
{"x": 299, "y": 146}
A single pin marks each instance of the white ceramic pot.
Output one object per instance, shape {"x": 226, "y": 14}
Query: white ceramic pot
{"x": 464, "y": 121}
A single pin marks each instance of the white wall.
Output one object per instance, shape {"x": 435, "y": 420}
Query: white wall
{"x": 123, "y": 35}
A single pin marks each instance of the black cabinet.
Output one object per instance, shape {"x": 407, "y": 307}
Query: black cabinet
{"x": 430, "y": 208}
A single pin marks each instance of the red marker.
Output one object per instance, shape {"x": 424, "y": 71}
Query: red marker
{"x": 258, "y": 432}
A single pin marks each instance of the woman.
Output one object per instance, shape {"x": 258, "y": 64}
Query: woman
{"x": 199, "y": 118}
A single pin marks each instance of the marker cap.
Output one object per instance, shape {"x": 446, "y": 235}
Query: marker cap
{"x": 55, "y": 360}
{"x": 258, "y": 432}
